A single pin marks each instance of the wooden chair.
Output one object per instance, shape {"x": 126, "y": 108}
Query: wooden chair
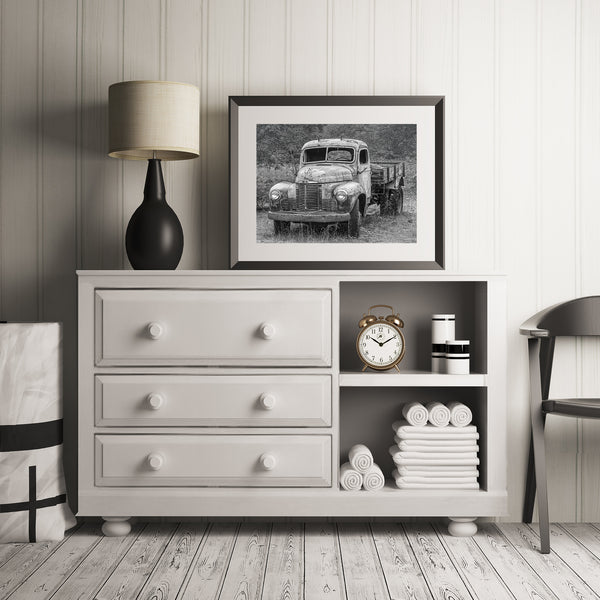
{"x": 579, "y": 317}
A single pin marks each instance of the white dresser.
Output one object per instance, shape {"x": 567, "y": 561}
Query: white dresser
{"x": 239, "y": 393}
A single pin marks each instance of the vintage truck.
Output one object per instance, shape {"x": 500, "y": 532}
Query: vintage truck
{"x": 335, "y": 184}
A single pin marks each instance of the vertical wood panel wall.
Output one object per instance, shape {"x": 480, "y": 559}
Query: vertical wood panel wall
{"x": 522, "y": 86}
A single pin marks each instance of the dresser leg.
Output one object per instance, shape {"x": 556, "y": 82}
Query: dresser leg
{"x": 462, "y": 526}
{"x": 116, "y": 526}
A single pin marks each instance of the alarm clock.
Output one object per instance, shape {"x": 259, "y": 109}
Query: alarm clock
{"x": 380, "y": 343}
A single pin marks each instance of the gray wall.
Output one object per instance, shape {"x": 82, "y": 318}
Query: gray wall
{"x": 522, "y": 81}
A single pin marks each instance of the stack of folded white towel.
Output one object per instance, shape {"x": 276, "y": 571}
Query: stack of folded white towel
{"x": 436, "y": 447}
{"x": 361, "y": 471}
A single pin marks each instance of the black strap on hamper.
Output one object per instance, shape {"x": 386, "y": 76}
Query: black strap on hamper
{"x": 31, "y": 436}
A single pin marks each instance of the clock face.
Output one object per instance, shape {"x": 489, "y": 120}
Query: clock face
{"x": 380, "y": 345}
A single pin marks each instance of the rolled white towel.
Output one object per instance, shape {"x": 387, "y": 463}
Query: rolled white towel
{"x": 360, "y": 458}
{"x": 415, "y": 414}
{"x": 350, "y": 479}
{"x": 460, "y": 414}
{"x": 373, "y": 479}
{"x": 439, "y": 414}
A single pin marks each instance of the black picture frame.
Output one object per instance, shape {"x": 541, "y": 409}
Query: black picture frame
{"x": 247, "y": 114}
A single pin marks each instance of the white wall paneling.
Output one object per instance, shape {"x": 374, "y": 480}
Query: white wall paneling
{"x": 21, "y": 155}
{"x": 557, "y": 260}
{"x": 518, "y": 199}
{"x": 522, "y": 86}
{"x": 588, "y": 154}
{"x": 182, "y": 55}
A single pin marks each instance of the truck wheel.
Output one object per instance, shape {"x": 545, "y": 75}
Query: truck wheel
{"x": 354, "y": 222}
{"x": 389, "y": 204}
{"x": 281, "y": 227}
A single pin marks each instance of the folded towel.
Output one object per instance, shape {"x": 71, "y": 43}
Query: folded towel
{"x": 405, "y": 431}
{"x": 411, "y": 479}
{"x": 434, "y": 443}
{"x": 439, "y": 414}
{"x": 360, "y": 458}
{"x": 424, "y": 446}
{"x": 350, "y": 479}
{"x": 440, "y": 460}
{"x": 460, "y": 414}
{"x": 433, "y": 455}
{"x": 437, "y": 486}
{"x": 436, "y": 471}
{"x": 373, "y": 479}
{"x": 415, "y": 413}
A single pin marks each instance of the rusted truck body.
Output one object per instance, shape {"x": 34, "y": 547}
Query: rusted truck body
{"x": 335, "y": 184}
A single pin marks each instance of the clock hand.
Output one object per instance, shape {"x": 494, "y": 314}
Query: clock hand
{"x": 374, "y": 340}
{"x": 388, "y": 340}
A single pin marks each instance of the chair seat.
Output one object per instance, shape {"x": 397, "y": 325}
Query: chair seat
{"x": 573, "y": 407}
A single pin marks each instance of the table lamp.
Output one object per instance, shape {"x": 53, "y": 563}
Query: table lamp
{"x": 154, "y": 121}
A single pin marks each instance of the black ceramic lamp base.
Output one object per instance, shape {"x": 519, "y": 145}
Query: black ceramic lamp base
{"x": 154, "y": 238}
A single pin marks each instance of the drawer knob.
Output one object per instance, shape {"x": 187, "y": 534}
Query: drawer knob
{"x": 155, "y": 461}
{"x": 155, "y": 330}
{"x": 267, "y": 401}
{"x": 155, "y": 401}
{"x": 268, "y": 462}
{"x": 268, "y": 331}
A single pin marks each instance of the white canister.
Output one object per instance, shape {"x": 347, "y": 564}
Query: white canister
{"x": 457, "y": 357}
{"x": 442, "y": 329}
{"x": 438, "y": 358}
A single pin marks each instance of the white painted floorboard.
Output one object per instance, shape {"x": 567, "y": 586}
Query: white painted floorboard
{"x": 272, "y": 561}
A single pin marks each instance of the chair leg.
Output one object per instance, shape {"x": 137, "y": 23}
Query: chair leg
{"x": 539, "y": 450}
{"x": 529, "y": 486}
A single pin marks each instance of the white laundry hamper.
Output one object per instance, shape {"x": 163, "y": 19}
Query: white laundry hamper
{"x": 33, "y": 502}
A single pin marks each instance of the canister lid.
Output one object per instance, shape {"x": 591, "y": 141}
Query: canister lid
{"x": 443, "y": 317}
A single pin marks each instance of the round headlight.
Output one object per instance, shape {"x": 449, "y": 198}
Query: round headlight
{"x": 341, "y": 195}
{"x": 275, "y": 194}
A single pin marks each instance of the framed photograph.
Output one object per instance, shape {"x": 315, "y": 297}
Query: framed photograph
{"x": 337, "y": 182}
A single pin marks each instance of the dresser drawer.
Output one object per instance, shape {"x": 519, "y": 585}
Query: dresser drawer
{"x": 214, "y": 400}
{"x": 213, "y": 460}
{"x": 213, "y": 327}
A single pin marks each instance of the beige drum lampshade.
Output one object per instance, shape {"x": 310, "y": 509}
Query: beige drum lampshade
{"x": 154, "y": 119}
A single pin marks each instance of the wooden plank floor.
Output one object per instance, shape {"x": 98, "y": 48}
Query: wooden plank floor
{"x": 277, "y": 561}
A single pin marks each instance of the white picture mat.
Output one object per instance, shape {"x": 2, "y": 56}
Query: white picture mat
{"x": 248, "y": 249}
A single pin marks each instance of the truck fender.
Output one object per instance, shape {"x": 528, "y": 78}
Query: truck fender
{"x": 353, "y": 189}
{"x": 285, "y": 187}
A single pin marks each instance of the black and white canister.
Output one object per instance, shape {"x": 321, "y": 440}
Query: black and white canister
{"x": 457, "y": 357}
{"x": 442, "y": 329}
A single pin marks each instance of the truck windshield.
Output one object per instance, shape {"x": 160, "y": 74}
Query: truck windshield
{"x": 332, "y": 154}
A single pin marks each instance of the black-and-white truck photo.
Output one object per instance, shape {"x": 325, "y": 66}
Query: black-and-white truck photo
{"x": 336, "y": 183}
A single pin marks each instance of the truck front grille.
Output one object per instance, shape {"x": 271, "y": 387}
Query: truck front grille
{"x": 308, "y": 196}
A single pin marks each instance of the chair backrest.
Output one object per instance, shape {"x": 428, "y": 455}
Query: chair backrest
{"x": 580, "y": 316}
